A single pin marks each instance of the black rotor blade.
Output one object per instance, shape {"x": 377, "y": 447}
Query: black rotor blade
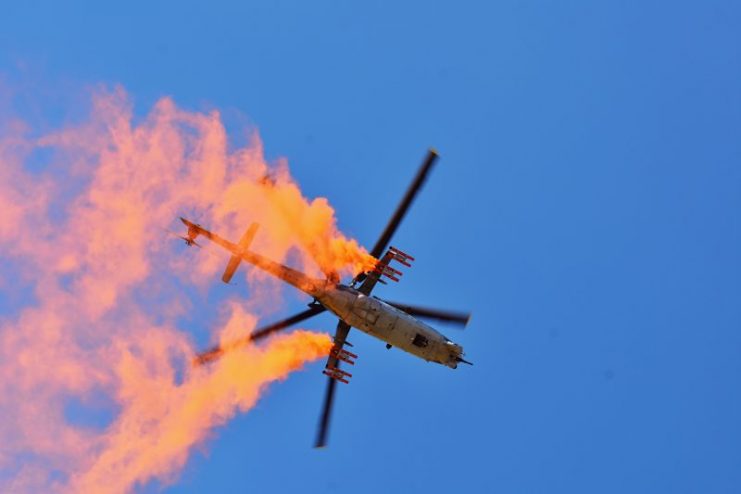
{"x": 440, "y": 315}
{"x": 406, "y": 201}
{"x": 323, "y": 432}
{"x": 301, "y": 316}
{"x": 217, "y": 351}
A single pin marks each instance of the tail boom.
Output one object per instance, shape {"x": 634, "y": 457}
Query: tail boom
{"x": 240, "y": 252}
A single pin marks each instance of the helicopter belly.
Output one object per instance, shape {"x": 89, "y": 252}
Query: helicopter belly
{"x": 392, "y": 326}
{"x": 418, "y": 339}
{"x": 404, "y": 332}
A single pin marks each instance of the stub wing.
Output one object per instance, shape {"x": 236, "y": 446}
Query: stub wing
{"x": 338, "y": 354}
{"x": 383, "y": 269}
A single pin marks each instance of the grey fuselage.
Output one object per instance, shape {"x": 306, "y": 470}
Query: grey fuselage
{"x": 387, "y": 323}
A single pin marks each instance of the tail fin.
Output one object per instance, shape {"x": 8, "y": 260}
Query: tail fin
{"x": 234, "y": 261}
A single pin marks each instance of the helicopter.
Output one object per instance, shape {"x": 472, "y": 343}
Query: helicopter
{"x": 398, "y": 325}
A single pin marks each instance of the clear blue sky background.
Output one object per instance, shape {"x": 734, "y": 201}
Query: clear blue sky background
{"x": 585, "y": 208}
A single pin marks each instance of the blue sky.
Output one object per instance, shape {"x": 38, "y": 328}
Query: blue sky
{"x": 585, "y": 208}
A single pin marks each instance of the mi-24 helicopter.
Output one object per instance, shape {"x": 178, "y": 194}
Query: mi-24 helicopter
{"x": 396, "y": 324}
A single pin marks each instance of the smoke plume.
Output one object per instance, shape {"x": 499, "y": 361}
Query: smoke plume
{"x": 95, "y": 299}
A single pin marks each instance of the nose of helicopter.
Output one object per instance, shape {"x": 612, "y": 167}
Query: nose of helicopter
{"x": 456, "y": 355}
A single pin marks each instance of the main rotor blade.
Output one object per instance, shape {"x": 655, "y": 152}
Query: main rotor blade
{"x": 301, "y": 316}
{"x": 217, "y": 351}
{"x": 406, "y": 201}
{"x": 440, "y": 315}
{"x": 323, "y": 432}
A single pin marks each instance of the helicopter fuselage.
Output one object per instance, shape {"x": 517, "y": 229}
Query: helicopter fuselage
{"x": 389, "y": 324}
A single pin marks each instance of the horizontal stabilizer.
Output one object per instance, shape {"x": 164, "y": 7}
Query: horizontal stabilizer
{"x": 243, "y": 245}
{"x": 231, "y": 268}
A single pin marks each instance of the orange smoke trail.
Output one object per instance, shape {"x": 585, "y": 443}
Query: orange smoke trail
{"x": 95, "y": 293}
{"x": 160, "y": 423}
